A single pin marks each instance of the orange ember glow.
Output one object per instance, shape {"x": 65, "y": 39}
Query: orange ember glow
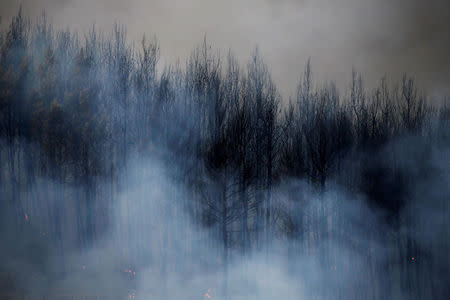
{"x": 208, "y": 295}
{"x": 26, "y": 217}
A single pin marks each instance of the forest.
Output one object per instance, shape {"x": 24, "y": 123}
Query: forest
{"x": 123, "y": 179}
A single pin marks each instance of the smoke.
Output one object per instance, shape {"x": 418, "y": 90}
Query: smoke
{"x": 376, "y": 37}
{"x": 353, "y": 247}
{"x": 148, "y": 233}
{"x": 346, "y": 246}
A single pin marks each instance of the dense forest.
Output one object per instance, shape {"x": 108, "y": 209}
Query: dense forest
{"x": 199, "y": 180}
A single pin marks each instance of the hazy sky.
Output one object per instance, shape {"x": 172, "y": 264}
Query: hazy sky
{"x": 375, "y": 36}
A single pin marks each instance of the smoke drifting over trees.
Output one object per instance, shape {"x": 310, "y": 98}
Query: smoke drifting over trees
{"x": 199, "y": 181}
{"x": 377, "y": 37}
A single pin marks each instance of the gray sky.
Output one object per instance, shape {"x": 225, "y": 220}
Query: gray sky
{"x": 376, "y": 37}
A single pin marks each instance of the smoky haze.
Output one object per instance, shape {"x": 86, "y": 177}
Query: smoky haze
{"x": 121, "y": 178}
{"x": 376, "y": 37}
